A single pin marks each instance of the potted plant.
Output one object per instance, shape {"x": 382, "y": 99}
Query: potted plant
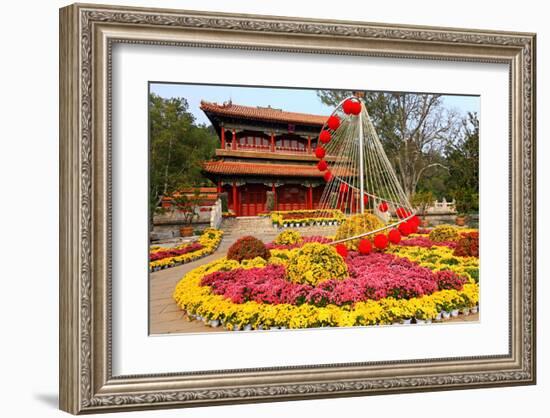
{"x": 465, "y": 203}
{"x": 423, "y": 200}
{"x": 188, "y": 206}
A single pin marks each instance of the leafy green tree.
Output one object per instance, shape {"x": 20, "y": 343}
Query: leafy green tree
{"x": 414, "y": 130}
{"x": 463, "y": 161}
{"x": 423, "y": 200}
{"x": 178, "y": 147}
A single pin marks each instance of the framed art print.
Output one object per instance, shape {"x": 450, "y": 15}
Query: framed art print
{"x": 259, "y": 208}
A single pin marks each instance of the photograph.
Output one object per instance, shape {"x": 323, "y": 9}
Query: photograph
{"x": 275, "y": 204}
{"x": 289, "y": 208}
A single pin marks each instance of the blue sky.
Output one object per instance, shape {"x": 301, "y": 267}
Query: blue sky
{"x": 295, "y": 100}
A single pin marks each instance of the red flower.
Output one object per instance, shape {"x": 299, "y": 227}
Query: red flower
{"x": 341, "y": 249}
{"x": 327, "y": 176}
{"x": 383, "y": 207}
{"x": 324, "y": 137}
{"x": 333, "y": 122}
{"x": 365, "y": 199}
{"x": 415, "y": 220}
{"x": 322, "y": 165}
{"x": 320, "y": 152}
{"x": 468, "y": 245}
{"x": 364, "y": 247}
{"x": 380, "y": 241}
{"x": 394, "y": 236}
{"x": 344, "y": 188}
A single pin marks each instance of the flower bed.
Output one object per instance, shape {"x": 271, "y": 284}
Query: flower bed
{"x": 379, "y": 289}
{"x": 422, "y": 241}
{"x": 385, "y": 276}
{"x": 440, "y": 258}
{"x": 162, "y": 253}
{"x": 161, "y": 258}
{"x": 305, "y": 240}
{"x": 292, "y": 218}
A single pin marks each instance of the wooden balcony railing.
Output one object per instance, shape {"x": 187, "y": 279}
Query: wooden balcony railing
{"x": 267, "y": 148}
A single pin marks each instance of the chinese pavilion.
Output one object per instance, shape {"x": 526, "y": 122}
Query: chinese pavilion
{"x": 265, "y": 149}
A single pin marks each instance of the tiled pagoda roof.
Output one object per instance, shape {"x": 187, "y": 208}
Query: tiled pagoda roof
{"x": 245, "y": 168}
{"x": 262, "y": 113}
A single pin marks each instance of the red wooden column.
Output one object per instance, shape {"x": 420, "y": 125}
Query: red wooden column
{"x": 223, "y": 138}
{"x": 309, "y": 144}
{"x": 235, "y": 203}
{"x": 234, "y": 140}
{"x": 272, "y": 142}
{"x": 310, "y": 194}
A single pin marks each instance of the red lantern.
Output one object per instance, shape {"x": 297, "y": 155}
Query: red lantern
{"x": 356, "y": 109}
{"x": 320, "y": 152}
{"x": 324, "y": 137}
{"x": 322, "y": 165}
{"x": 413, "y": 225}
{"x": 415, "y": 220}
{"x": 327, "y": 176}
{"x": 344, "y": 188}
{"x": 394, "y": 236}
{"x": 364, "y": 247}
{"x": 333, "y": 122}
{"x": 365, "y": 199}
{"x": 402, "y": 213}
{"x": 405, "y": 229}
{"x": 380, "y": 241}
{"x": 348, "y": 106}
{"x": 341, "y": 249}
{"x": 383, "y": 207}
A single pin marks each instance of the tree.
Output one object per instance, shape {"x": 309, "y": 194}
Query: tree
{"x": 177, "y": 148}
{"x": 188, "y": 205}
{"x": 423, "y": 200}
{"x": 463, "y": 160}
{"x": 414, "y": 130}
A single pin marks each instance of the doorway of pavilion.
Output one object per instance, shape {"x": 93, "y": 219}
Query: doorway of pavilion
{"x": 252, "y": 198}
{"x": 316, "y": 193}
{"x": 291, "y": 197}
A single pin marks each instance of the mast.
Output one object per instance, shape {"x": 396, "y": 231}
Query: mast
{"x": 361, "y": 167}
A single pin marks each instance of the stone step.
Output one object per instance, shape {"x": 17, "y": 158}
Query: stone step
{"x": 261, "y": 227}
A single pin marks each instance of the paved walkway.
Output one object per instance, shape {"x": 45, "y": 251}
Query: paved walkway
{"x": 164, "y": 314}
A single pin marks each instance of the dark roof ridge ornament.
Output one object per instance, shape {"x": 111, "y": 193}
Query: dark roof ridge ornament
{"x": 276, "y": 109}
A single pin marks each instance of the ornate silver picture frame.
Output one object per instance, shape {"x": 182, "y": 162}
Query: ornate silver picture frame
{"x": 87, "y": 36}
